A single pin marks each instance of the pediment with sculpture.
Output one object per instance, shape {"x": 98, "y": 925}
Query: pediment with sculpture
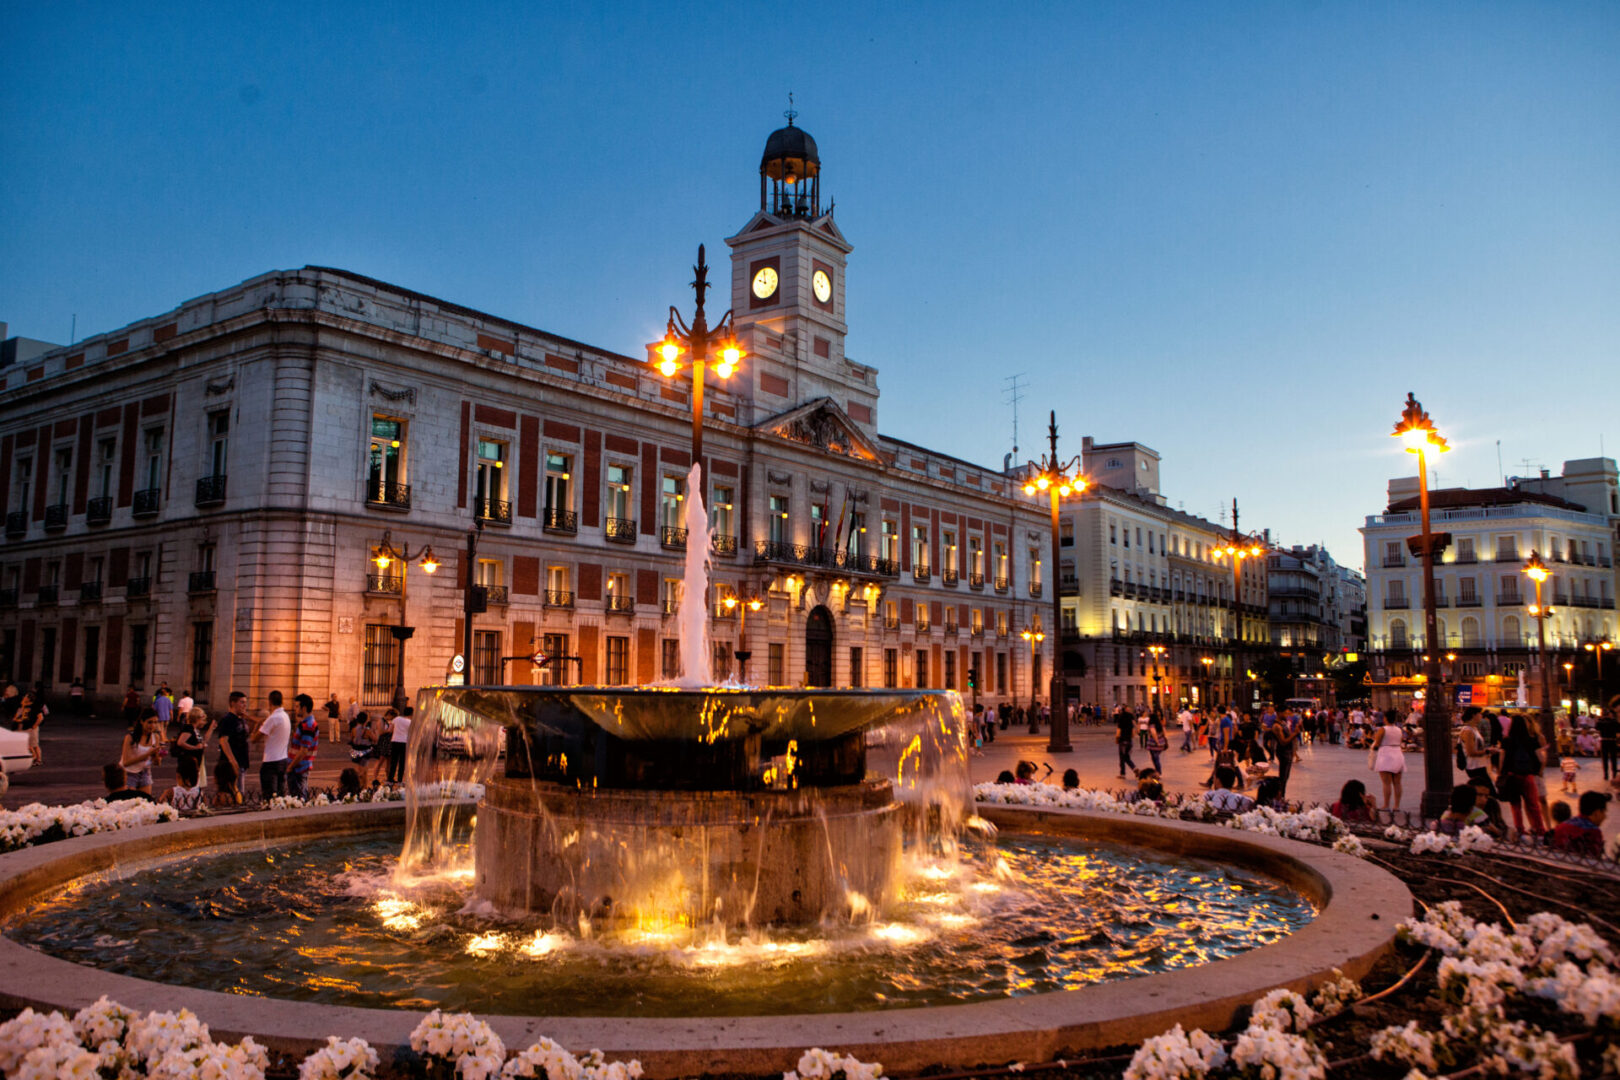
{"x": 823, "y": 425}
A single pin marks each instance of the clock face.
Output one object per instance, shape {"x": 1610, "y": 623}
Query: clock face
{"x": 765, "y": 283}
{"x": 822, "y": 284}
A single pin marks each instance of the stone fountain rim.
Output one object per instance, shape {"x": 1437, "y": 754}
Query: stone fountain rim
{"x": 1359, "y": 904}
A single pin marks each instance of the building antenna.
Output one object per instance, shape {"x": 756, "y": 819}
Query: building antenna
{"x": 1012, "y": 394}
{"x": 73, "y": 334}
{"x": 1499, "y": 470}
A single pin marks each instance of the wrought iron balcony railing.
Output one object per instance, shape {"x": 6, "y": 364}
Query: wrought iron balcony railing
{"x": 200, "y": 581}
{"x": 90, "y": 592}
{"x": 494, "y": 511}
{"x": 147, "y": 502}
{"x": 921, "y": 574}
{"x": 557, "y": 520}
{"x": 670, "y": 607}
{"x": 723, "y": 545}
{"x": 1035, "y": 589}
{"x": 1003, "y": 584}
{"x": 671, "y": 537}
{"x": 620, "y": 605}
{"x": 950, "y": 578}
{"x": 1396, "y": 603}
{"x": 98, "y": 511}
{"x": 56, "y": 517}
{"x": 211, "y": 490}
{"x": 384, "y": 584}
{"x": 621, "y": 530}
{"x": 779, "y": 551}
{"x": 975, "y": 581}
{"x": 137, "y": 587}
{"x": 46, "y": 595}
{"x": 891, "y": 622}
{"x": 494, "y": 594}
{"x": 559, "y": 598}
{"x": 8, "y": 598}
{"x": 16, "y": 524}
{"x": 388, "y": 495}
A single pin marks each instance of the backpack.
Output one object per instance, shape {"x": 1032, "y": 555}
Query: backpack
{"x": 1462, "y": 758}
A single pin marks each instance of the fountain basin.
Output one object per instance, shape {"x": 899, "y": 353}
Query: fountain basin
{"x": 1359, "y": 907}
{"x": 736, "y": 857}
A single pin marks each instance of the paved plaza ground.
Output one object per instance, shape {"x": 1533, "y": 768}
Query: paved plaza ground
{"x": 76, "y": 748}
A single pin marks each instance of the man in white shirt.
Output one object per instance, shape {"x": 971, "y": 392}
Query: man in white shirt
{"x": 274, "y": 732}
{"x": 401, "y": 733}
{"x": 1185, "y": 718}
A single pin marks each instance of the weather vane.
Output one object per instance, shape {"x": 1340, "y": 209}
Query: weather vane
{"x": 791, "y": 112}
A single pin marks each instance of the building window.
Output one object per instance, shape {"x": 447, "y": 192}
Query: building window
{"x": 721, "y": 509}
{"x": 202, "y": 655}
{"x": 1113, "y": 533}
{"x": 556, "y": 671}
{"x": 219, "y": 441}
{"x": 1034, "y": 569}
{"x": 976, "y": 620}
{"x": 386, "y": 461}
{"x": 559, "y": 587}
{"x": 24, "y": 482}
{"x": 486, "y": 669}
{"x": 617, "y": 588}
{"x": 92, "y": 655}
{"x": 674, "y": 495}
{"x": 818, "y": 525}
{"x": 857, "y": 666}
{"x": 1001, "y": 564}
{"x": 922, "y": 667}
{"x": 1001, "y": 673}
{"x": 47, "y": 655}
{"x": 779, "y": 519}
{"x": 891, "y": 668}
{"x": 154, "y": 458}
{"x": 670, "y": 658}
{"x": 856, "y": 540}
{"x": 950, "y": 669}
{"x": 559, "y": 482}
{"x": 106, "y": 457}
{"x": 922, "y": 618}
{"x": 379, "y": 674}
{"x": 891, "y": 541}
{"x": 491, "y": 476}
{"x": 618, "y": 500}
{"x": 722, "y": 661}
{"x": 919, "y": 548}
{"x": 674, "y": 589}
{"x": 1001, "y": 623}
{"x": 137, "y": 654}
{"x": 776, "y": 664}
{"x": 618, "y": 660}
{"x": 64, "y": 475}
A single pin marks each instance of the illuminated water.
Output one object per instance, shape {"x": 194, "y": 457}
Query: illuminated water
{"x": 326, "y": 921}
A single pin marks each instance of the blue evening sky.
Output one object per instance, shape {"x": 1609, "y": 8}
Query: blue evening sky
{"x": 1236, "y": 232}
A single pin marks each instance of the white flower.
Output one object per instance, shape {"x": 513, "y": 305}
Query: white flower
{"x": 819, "y": 1064}
{"x": 1397, "y": 834}
{"x": 1474, "y": 838}
{"x": 104, "y": 1020}
{"x": 1426, "y": 842}
{"x": 1176, "y": 1055}
{"x": 1538, "y": 1053}
{"x": 1282, "y": 1010}
{"x": 36, "y": 823}
{"x": 59, "y": 1061}
{"x": 545, "y": 1059}
{"x": 1333, "y": 995}
{"x": 1278, "y": 1055}
{"x": 29, "y": 1031}
{"x": 1409, "y": 1045}
{"x": 1350, "y": 844}
{"x": 340, "y": 1059}
{"x": 154, "y": 1035}
{"x": 462, "y": 1040}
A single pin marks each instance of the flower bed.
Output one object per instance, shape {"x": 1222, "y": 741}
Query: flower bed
{"x": 40, "y": 824}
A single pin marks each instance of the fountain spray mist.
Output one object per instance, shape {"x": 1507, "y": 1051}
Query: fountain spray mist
{"x": 693, "y": 618}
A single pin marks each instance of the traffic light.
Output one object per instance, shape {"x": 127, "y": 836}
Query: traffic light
{"x": 973, "y": 678}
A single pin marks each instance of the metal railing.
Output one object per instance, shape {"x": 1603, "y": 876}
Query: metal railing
{"x": 211, "y": 490}
{"x": 494, "y": 594}
{"x": 556, "y": 520}
{"x": 1035, "y": 589}
{"x": 559, "y": 598}
{"x": 671, "y": 537}
{"x": 1391, "y": 561}
{"x": 620, "y": 605}
{"x": 975, "y": 581}
{"x": 723, "y": 545}
{"x": 200, "y": 581}
{"x": 494, "y": 511}
{"x": 90, "y": 592}
{"x": 384, "y": 584}
{"x": 670, "y": 607}
{"x": 146, "y": 502}
{"x": 46, "y": 595}
{"x": 8, "y": 598}
{"x": 56, "y": 517}
{"x": 921, "y": 574}
{"x": 1396, "y": 603}
{"x": 98, "y": 511}
{"x": 388, "y": 494}
{"x": 137, "y": 587}
{"x": 16, "y": 524}
{"x": 891, "y": 622}
{"x": 621, "y": 530}
{"x": 1507, "y": 556}
{"x": 767, "y": 551}
{"x": 1003, "y": 584}
{"x": 949, "y": 578}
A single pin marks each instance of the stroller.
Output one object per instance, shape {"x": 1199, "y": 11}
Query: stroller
{"x": 1357, "y": 736}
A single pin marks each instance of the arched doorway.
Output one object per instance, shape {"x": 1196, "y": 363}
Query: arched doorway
{"x": 818, "y": 647}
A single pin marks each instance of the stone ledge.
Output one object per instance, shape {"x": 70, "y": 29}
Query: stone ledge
{"x": 1360, "y": 906}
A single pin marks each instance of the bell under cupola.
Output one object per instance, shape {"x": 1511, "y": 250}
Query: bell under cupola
{"x": 790, "y": 173}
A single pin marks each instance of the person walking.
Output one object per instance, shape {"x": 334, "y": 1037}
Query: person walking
{"x": 233, "y": 752}
{"x": 1185, "y": 719}
{"x": 1524, "y": 753}
{"x": 305, "y": 741}
{"x": 274, "y": 733}
{"x": 1608, "y": 730}
{"x": 30, "y": 715}
{"x": 192, "y": 745}
{"x": 382, "y": 737}
{"x": 164, "y": 704}
{"x": 142, "y": 750}
{"x": 1286, "y": 745}
{"x": 1158, "y": 742}
{"x": 401, "y": 735}
{"x": 1388, "y": 760}
{"x": 1124, "y": 728}
{"x": 132, "y": 706}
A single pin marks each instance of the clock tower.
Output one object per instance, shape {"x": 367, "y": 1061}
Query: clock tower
{"x": 787, "y": 289}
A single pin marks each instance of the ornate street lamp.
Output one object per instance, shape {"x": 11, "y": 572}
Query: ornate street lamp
{"x": 1597, "y": 649}
{"x": 386, "y": 555}
{"x": 1238, "y": 547}
{"x": 1157, "y": 652}
{"x": 695, "y": 341}
{"x": 1538, "y": 573}
{"x": 1416, "y": 430}
{"x": 733, "y": 602}
{"x": 1207, "y": 661}
{"x": 1057, "y": 478}
{"x": 1034, "y": 638}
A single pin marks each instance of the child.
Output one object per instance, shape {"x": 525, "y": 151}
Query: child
{"x": 1148, "y": 785}
{"x": 1560, "y": 812}
{"x": 1071, "y": 780}
{"x": 187, "y": 793}
{"x": 1567, "y": 764}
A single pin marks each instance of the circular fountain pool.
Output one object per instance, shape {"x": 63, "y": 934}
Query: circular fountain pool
{"x": 325, "y": 921}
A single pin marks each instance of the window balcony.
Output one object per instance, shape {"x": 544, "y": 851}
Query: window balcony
{"x": 921, "y": 574}
{"x": 891, "y": 622}
{"x": 672, "y": 538}
{"x": 387, "y": 495}
{"x": 494, "y": 595}
{"x": 723, "y": 545}
{"x": 1391, "y": 561}
{"x": 211, "y": 491}
{"x": 670, "y": 607}
{"x": 1035, "y": 589}
{"x": 146, "y": 502}
{"x": 384, "y": 584}
{"x": 977, "y": 631}
{"x": 949, "y": 578}
{"x": 46, "y": 596}
{"x": 951, "y": 629}
{"x": 1003, "y": 584}
{"x": 780, "y": 551}
{"x": 620, "y": 605}
{"x": 16, "y": 524}
{"x": 8, "y": 598}
{"x": 1470, "y": 601}
{"x": 1396, "y": 603}
{"x": 1508, "y": 599}
{"x": 975, "y": 581}
{"x": 201, "y": 581}
{"x": 494, "y": 511}
{"x": 90, "y": 592}
{"x": 559, "y": 598}
{"x": 98, "y": 511}
{"x": 555, "y": 520}
{"x": 56, "y": 517}
{"x": 138, "y": 587}
{"x": 621, "y": 530}
{"x": 1467, "y": 560}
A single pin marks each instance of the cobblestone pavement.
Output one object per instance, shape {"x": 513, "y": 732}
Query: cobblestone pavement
{"x": 75, "y": 748}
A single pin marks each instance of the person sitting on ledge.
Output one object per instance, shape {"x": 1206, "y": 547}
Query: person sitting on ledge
{"x": 349, "y": 783}
{"x": 1026, "y": 773}
{"x": 117, "y": 784}
{"x": 1465, "y": 810}
{"x": 1353, "y": 804}
{"x": 1005, "y": 776}
{"x": 1224, "y": 797}
{"x": 1149, "y": 786}
{"x": 1583, "y": 833}
{"x": 1071, "y": 780}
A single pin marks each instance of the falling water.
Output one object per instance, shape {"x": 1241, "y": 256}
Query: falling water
{"x": 693, "y": 619}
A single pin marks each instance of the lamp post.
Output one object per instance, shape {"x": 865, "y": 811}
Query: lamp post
{"x": 1057, "y": 478}
{"x": 1157, "y": 652}
{"x": 385, "y": 555}
{"x": 1207, "y": 661}
{"x": 679, "y": 338}
{"x": 733, "y": 602}
{"x": 1597, "y": 649}
{"x": 1034, "y": 638}
{"x": 1538, "y": 573}
{"x": 472, "y": 599}
{"x": 1238, "y": 547}
{"x": 1416, "y": 430}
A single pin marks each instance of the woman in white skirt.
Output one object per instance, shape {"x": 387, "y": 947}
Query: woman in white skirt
{"x": 1388, "y": 760}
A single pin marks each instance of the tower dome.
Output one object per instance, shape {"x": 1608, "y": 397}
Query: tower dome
{"x": 790, "y": 173}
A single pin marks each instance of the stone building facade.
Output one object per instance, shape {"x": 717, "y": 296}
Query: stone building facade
{"x": 199, "y": 496}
